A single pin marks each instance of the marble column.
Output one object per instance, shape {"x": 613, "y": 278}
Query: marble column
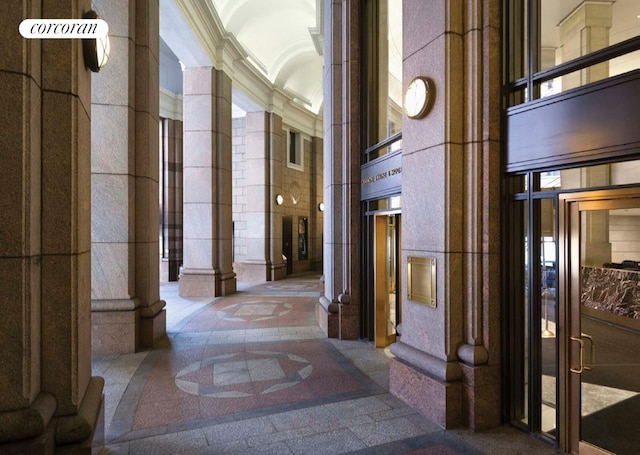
{"x": 171, "y": 198}
{"x": 48, "y": 397}
{"x": 447, "y": 358}
{"x": 263, "y": 259}
{"x": 208, "y": 226}
{"x": 127, "y": 312}
{"x": 316, "y": 197}
{"x": 338, "y": 309}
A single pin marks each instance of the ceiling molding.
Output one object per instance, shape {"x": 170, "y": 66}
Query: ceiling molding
{"x": 170, "y": 104}
{"x": 227, "y": 54}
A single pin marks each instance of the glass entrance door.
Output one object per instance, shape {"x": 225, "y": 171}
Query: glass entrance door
{"x": 603, "y": 322}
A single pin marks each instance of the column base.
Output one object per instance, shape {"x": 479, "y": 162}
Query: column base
{"x": 43, "y": 444}
{"x": 278, "y": 272}
{"x": 436, "y": 399}
{"x": 349, "y": 322}
{"x": 206, "y": 283}
{"x": 253, "y": 272}
{"x": 114, "y": 326}
{"x": 481, "y": 399}
{"x": 29, "y": 430}
{"x": 328, "y": 318}
{"x": 153, "y": 329}
{"x": 83, "y": 433}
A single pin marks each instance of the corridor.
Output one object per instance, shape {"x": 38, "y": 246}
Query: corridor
{"x": 253, "y": 374}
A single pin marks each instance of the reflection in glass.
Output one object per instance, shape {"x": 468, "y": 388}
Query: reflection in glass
{"x": 383, "y": 82}
{"x": 610, "y": 329}
{"x": 525, "y": 313}
{"x": 548, "y": 302}
{"x": 392, "y": 259}
{"x": 591, "y": 176}
{"x": 392, "y": 73}
{"x": 575, "y": 28}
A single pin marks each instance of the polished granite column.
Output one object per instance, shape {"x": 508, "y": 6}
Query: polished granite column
{"x": 127, "y": 312}
{"x": 316, "y": 210}
{"x": 263, "y": 164}
{"x": 171, "y": 199}
{"x": 48, "y": 400}
{"x": 208, "y": 269}
{"x": 147, "y": 108}
{"x": 447, "y": 361}
{"x": 338, "y": 309}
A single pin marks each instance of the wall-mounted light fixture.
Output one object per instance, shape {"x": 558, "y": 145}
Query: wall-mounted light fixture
{"x": 95, "y": 50}
{"x": 279, "y": 199}
{"x": 321, "y": 206}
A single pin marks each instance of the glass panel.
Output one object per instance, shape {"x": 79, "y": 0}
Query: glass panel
{"x": 574, "y": 28}
{"x": 392, "y": 259}
{"x": 526, "y": 310}
{"x": 548, "y": 299}
{"x": 610, "y": 329}
{"x": 594, "y": 73}
{"x": 591, "y": 177}
{"x": 392, "y": 72}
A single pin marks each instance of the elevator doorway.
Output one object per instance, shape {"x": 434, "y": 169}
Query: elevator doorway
{"x": 386, "y": 270}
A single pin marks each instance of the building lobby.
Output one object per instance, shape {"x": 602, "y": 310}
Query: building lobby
{"x": 321, "y": 226}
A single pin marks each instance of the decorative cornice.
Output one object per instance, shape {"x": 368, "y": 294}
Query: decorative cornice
{"x": 170, "y": 104}
{"x": 228, "y": 55}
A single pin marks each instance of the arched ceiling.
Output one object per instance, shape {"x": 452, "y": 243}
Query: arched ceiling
{"x": 277, "y": 35}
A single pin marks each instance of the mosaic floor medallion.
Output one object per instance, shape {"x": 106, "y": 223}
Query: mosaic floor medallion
{"x": 243, "y": 374}
{"x": 254, "y": 311}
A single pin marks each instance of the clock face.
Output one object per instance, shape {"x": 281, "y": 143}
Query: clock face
{"x": 416, "y": 97}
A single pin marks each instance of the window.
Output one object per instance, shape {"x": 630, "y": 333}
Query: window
{"x": 295, "y": 150}
{"x": 382, "y": 77}
{"x": 554, "y": 46}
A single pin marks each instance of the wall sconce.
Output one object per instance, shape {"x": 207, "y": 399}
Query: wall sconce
{"x": 321, "y": 206}
{"x": 95, "y": 50}
{"x": 279, "y": 199}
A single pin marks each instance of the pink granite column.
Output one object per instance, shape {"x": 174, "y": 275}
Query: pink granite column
{"x": 338, "y": 309}
{"x": 447, "y": 359}
{"x": 171, "y": 198}
{"x": 316, "y": 198}
{"x": 48, "y": 397}
{"x": 147, "y": 108}
{"x": 208, "y": 269}
{"x": 127, "y": 312}
{"x": 263, "y": 258}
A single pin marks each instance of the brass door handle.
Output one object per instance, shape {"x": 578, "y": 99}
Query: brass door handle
{"x": 581, "y": 343}
{"x": 592, "y": 351}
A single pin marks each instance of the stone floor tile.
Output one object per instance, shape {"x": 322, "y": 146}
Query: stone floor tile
{"x": 342, "y": 406}
{"x": 280, "y": 436}
{"x": 385, "y": 431}
{"x": 279, "y": 448}
{"x": 241, "y": 429}
{"x": 169, "y": 443}
{"x": 330, "y": 443}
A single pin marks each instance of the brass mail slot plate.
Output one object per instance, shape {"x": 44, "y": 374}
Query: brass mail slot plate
{"x": 421, "y": 280}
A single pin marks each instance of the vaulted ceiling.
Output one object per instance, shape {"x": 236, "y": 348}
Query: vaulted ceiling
{"x": 279, "y": 35}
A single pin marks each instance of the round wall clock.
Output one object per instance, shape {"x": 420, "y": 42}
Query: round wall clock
{"x": 416, "y": 97}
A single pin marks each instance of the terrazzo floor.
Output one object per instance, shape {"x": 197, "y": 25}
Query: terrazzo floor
{"x": 253, "y": 374}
